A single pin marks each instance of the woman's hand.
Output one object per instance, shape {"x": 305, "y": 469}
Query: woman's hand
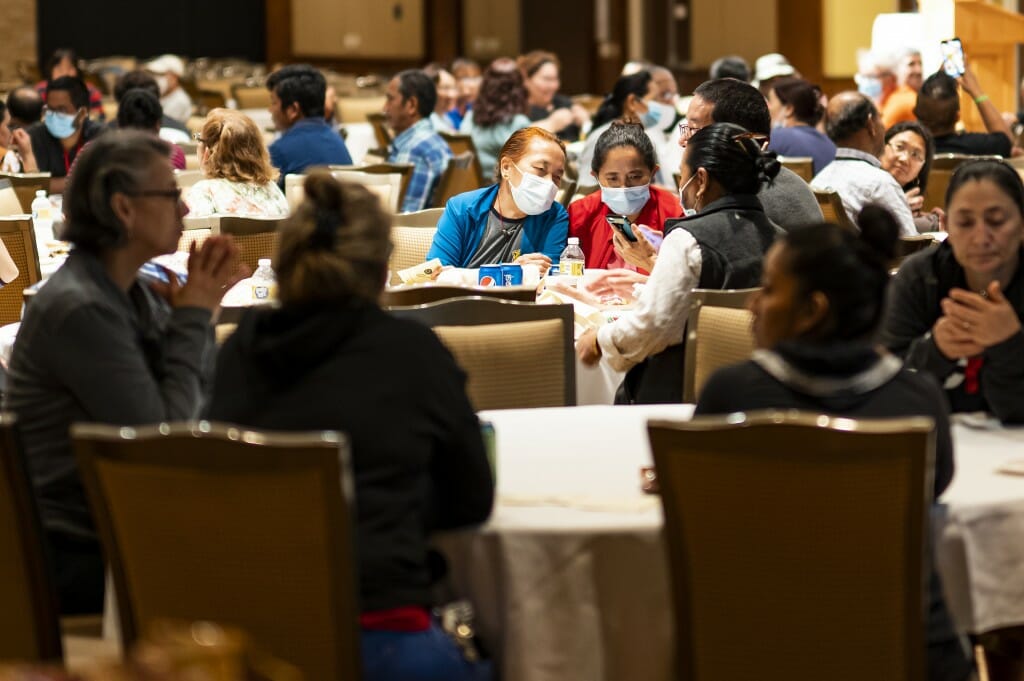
{"x": 640, "y": 253}
{"x": 587, "y": 348}
{"x": 617, "y": 282}
{"x": 539, "y": 259}
{"x": 21, "y": 141}
{"x": 972, "y": 322}
{"x": 915, "y": 200}
{"x": 212, "y": 270}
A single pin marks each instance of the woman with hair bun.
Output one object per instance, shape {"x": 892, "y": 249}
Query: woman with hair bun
{"x": 796, "y": 108}
{"x": 816, "y": 320}
{"x": 956, "y": 310}
{"x": 719, "y": 244}
{"x": 239, "y": 177}
{"x": 330, "y": 359}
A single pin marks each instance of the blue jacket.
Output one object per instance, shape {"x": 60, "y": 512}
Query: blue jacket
{"x": 465, "y": 219}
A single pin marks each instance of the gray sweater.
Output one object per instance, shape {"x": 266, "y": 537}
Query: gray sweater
{"x": 789, "y": 201}
{"x": 86, "y": 351}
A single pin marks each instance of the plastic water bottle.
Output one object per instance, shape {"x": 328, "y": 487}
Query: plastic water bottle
{"x": 264, "y": 283}
{"x": 570, "y": 263}
{"x": 42, "y": 218}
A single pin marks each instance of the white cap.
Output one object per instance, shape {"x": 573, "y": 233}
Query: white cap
{"x": 41, "y": 193}
{"x": 167, "y": 63}
{"x": 770, "y": 66}
{"x": 263, "y": 262}
{"x": 574, "y": 241}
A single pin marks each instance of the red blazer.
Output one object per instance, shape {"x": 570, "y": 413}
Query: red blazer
{"x": 587, "y": 221}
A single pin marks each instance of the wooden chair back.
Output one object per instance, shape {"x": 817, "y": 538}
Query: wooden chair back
{"x": 30, "y": 627}
{"x": 801, "y": 165}
{"x": 256, "y": 237}
{"x": 250, "y": 96}
{"x": 771, "y": 547}
{"x": 381, "y": 132}
{"x": 516, "y": 355}
{"x": 20, "y": 241}
{"x": 832, "y": 208}
{"x": 356, "y": 109}
{"x": 210, "y": 522}
{"x": 909, "y": 245}
{"x": 942, "y": 168}
{"x": 460, "y": 143}
{"x": 10, "y": 204}
{"x": 458, "y": 177}
{"x": 207, "y": 100}
{"x": 717, "y": 334}
{"x": 26, "y": 185}
{"x": 565, "y": 192}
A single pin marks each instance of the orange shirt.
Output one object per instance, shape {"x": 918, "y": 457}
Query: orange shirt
{"x": 899, "y": 106}
{"x": 587, "y": 221}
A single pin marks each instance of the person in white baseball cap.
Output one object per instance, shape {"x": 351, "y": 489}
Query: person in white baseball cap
{"x": 168, "y": 71}
{"x": 767, "y": 68}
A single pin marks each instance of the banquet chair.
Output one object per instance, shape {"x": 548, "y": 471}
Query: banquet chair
{"x": 204, "y": 521}
{"x": 403, "y": 169}
{"x": 832, "y": 210}
{"x": 909, "y": 245}
{"x": 250, "y": 96}
{"x": 410, "y": 246}
{"x": 381, "y": 133}
{"x": 796, "y": 545}
{"x": 717, "y": 334}
{"x": 460, "y": 143}
{"x": 20, "y": 241}
{"x": 801, "y": 165}
{"x": 387, "y": 186}
{"x": 293, "y": 190}
{"x": 207, "y": 99}
{"x": 10, "y": 204}
{"x": 421, "y": 295}
{"x": 516, "y": 355}
{"x": 187, "y": 178}
{"x": 255, "y": 237}
{"x": 189, "y": 236}
{"x": 942, "y": 168}
{"x": 26, "y": 185}
{"x": 356, "y": 109}
{"x": 428, "y": 217}
{"x": 30, "y": 628}
{"x": 565, "y": 192}
{"x": 459, "y": 177}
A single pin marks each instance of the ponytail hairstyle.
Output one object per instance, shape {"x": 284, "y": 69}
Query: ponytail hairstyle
{"x": 335, "y": 246}
{"x": 804, "y": 97}
{"x": 850, "y": 268}
{"x": 732, "y": 156}
{"x": 614, "y": 104}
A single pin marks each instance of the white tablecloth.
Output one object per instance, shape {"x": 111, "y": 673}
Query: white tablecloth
{"x": 569, "y": 575}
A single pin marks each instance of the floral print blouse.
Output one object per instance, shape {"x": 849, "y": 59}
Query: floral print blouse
{"x": 224, "y": 197}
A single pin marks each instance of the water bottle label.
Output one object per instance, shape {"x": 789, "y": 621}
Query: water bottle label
{"x": 261, "y": 292}
{"x": 572, "y": 268}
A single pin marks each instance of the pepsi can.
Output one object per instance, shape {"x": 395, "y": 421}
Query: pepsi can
{"x": 511, "y": 275}
{"x": 490, "y": 275}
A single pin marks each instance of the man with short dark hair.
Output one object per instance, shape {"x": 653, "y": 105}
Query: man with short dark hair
{"x": 410, "y": 99}
{"x": 65, "y": 129}
{"x": 787, "y": 200}
{"x": 856, "y": 174}
{"x": 297, "y": 95}
{"x": 25, "y": 105}
{"x": 171, "y": 129}
{"x": 938, "y": 109}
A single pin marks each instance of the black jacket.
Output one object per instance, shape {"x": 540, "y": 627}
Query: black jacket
{"x": 914, "y": 307}
{"x": 397, "y": 394}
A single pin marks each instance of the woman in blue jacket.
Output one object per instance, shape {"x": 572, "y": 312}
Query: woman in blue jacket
{"x": 515, "y": 220}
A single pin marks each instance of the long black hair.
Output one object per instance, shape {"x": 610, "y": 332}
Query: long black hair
{"x": 614, "y": 103}
{"x": 921, "y": 180}
{"x": 732, "y": 156}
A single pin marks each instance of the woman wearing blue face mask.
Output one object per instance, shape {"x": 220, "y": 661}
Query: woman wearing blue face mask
{"x": 515, "y": 220}
{"x": 624, "y": 163}
{"x": 634, "y": 99}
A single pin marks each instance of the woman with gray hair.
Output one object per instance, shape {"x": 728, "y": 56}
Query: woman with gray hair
{"x": 97, "y": 344}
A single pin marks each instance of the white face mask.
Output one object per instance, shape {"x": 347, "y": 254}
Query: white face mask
{"x": 687, "y": 212}
{"x": 625, "y": 200}
{"x": 534, "y": 195}
{"x": 162, "y": 83}
{"x": 658, "y": 115}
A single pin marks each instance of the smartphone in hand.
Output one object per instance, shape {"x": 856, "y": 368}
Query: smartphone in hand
{"x": 620, "y": 223}
{"x": 952, "y": 57}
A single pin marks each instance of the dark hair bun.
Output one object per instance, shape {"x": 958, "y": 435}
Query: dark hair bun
{"x": 879, "y": 231}
{"x": 769, "y": 165}
{"x": 324, "y": 191}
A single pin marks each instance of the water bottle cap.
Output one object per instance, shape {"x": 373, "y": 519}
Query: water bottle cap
{"x": 263, "y": 262}
{"x": 41, "y": 193}
{"x": 574, "y": 241}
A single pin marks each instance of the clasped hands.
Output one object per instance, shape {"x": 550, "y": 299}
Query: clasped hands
{"x": 971, "y": 322}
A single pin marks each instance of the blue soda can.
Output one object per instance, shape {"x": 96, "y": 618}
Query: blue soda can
{"x": 511, "y": 275}
{"x": 490, "y": 275}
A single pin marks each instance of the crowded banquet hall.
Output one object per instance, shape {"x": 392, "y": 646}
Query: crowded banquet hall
{"x": 465, "y": 340}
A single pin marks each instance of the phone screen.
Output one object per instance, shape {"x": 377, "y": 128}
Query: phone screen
{"x": 621, "y": 224}
{"x": 952, "y": 57}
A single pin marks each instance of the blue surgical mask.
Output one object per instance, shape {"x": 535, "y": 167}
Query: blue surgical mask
{"x": 60, "y": 125}
{"x": 869, "y": 86}
{"x": 687, "y": 212}
{"x": 658, "y": 115}
{"x": 625, "y": 200}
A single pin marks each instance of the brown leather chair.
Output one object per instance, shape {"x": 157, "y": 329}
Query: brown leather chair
{"x": 796, "y": 545}
{"x": 717, "y": 334}
{"x": 211, "y": 522}
{"x": 516, "y": 355}
{"x": 20, "y": 241}
{"x": 29, "y": 628}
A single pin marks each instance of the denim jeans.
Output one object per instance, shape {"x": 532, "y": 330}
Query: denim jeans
{"x": 417, "y": 656}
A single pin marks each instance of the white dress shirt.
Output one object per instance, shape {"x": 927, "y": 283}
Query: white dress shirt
{"x": 858, "y": 178}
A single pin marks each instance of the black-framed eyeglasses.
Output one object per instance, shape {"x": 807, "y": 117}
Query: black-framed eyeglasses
{"x": 164, "y": 193}
{"x": 686, "y": 131}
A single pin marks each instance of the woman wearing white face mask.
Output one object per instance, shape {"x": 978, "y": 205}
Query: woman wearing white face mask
{"x": 624, "y": 163}
{"x": 515, "y": 220}
{"x": 635, "y": 99}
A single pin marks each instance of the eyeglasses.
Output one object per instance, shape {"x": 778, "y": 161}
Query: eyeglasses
{"x": 163, "y": 193}
{"x": 899, "y": 149}
{"x": 198, "y": 137}
{"x": 686, "y": 131}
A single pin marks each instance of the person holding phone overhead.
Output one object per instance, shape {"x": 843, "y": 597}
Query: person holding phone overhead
{"x": 938, "y": 109}
{"x": 623, "y": 164}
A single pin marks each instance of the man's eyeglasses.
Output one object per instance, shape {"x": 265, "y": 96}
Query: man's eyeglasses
{"x": 164, "y": 193}
{"x": 686, "y": 131}
{"x": 899, "y": 148}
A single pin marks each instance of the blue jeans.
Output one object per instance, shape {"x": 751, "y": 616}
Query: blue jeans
{"x": 417, "y": 656}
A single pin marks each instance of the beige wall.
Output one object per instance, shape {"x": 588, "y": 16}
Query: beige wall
{"x": 356, "y": 28}
{"x": 741, "y": 27}
{"x": 17, "y": 36}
